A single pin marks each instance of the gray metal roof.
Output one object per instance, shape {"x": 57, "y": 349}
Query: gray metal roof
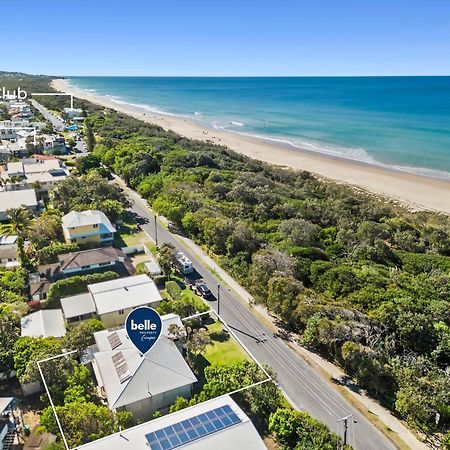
{"x": 77, "y": 305}
{"x": 16, "y": 199}
{"x": 89, "y": 217}
{"x": 240, "y": 436}
{"x": 43, "y": 323}
{"x": 162, "y": 369}
{"x": 124, "y": 293}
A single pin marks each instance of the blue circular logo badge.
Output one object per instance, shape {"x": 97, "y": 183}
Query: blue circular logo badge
{"x": 144, "y": 326}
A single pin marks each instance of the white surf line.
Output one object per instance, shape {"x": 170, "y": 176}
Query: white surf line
{"x": 55, "y": 93}
{"x": 48, "y": 392}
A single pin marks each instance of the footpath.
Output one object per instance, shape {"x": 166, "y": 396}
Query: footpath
{"x": 330, "y": 370}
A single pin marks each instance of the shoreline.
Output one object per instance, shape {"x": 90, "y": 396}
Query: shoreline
{"x": 417, "y": 192}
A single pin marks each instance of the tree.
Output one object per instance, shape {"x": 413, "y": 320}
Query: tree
{"x": 282, "y": 297}
{"x": 198, "y": 341}
{"x": 299, "y": 232}
{"x": 19, "y": 225}
{"x": 86, "y": 163}
{"x": 81, "y": 336}
{"x": 298, "y": 430}
{"x": 167, "y": 254}
{"x": 84, "y": 422}
{"x": 80, "y": 387}
{"x": 90, "y": 138}
{"x": 9, "y": 334}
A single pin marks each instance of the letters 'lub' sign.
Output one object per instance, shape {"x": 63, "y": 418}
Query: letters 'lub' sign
{"x": 144, "y": 326}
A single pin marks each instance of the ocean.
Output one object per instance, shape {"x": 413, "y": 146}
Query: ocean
{"x": 395, "y": 122}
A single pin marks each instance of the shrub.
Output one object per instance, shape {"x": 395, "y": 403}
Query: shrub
{"x": 75, "y": 285}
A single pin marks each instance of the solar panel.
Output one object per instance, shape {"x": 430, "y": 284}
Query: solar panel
{"x": 121, "y": 367}
{"x": 189, "y": 430}
{"x": 114, "y": 340}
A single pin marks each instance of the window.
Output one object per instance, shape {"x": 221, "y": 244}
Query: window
{"x": 95, "y": 225}
{"x": 121, "y": 312}
{"x": 85, "y": 267}
{"x": 104, "y": 264}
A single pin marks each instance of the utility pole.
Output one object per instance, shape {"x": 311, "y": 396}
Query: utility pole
{"x": 156, "y": 230}
{"x": 218, "y": 299}
{"x": 345, "y": 420}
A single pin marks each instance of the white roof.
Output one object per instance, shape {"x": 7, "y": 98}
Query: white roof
{"x": 124, "y": 293}
{"x": 161, "y": 370}
{"x": 5, "y": 402}
{"x": 43, "y": 323}
{"x": 89, "y": 217}
{"x": 14, "y": 167}
{"x": 15, "y": 199}
{"x": 152, "y": 266}
{"x": 103, "y": 344}
{"x": 46, "y": 165}
{"x": 242, "y": 435}
{"x": 8, "y": 239}
{"x": 77, "y": 305}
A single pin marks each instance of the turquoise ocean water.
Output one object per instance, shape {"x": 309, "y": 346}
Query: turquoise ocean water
{"x": 399, "y": 122}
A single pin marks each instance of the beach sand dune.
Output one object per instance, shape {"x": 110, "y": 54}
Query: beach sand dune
{"x": 417, "y": 192}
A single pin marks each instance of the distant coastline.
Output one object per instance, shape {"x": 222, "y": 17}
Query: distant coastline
{"x": 417, "y": 191}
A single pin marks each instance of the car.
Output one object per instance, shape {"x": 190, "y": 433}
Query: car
{"x": 202, "y": 290}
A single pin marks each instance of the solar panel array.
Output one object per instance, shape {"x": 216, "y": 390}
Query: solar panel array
{"x": 121, "y": 367}
{"x": 114, "y": 340}
{"x": 189, "y": 430}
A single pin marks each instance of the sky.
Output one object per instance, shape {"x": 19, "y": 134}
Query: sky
{"x": 226, "y": 37}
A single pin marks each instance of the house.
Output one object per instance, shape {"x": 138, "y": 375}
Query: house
{"x": 34, "y": 172}
{"x": 43, "y": 323}
{"x": 73, "y": 113}
{"x": 140, "y": 384}
{"x": 75, "y": 263}
{"x": 8, "y": 252}
{"x": 78, "y": 308}
{"x": 111, "y": 301}
{"x": 7, "y": 423}
{"x": 16, "y": 199}
{"x": 53, "y": 144}
{"x": 92, "y": 226}
{"x": 215, "y": 424}
{"x": 39, "y": 290}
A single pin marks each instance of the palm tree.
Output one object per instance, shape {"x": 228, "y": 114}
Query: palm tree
{"x": 19, "y": 225}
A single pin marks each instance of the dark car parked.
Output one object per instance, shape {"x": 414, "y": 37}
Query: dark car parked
{"x": 203, "y": 290}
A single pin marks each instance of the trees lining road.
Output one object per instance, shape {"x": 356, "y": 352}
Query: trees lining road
{"x": 304, "y": 387}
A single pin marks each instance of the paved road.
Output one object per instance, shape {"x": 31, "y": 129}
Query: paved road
{"x": 57, "y": 123}
{"x": 303, "y": 385}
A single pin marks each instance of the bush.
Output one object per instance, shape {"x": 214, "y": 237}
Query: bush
{"x": 174, "y": 290}
{"x": 48, "y": 255}
{"x": 73, "y": 286}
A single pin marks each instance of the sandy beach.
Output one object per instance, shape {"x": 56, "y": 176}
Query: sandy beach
{"x": 418, "y": 192}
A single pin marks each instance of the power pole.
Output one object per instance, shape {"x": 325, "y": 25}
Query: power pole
{"x": 156, "y": 231}
{"x": 218, "y": 299}
{"x": 345, "y": 420}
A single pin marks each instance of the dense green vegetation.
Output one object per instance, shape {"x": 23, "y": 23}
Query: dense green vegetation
{"x": 366, "y": 283}
{"x": 75, "y": 285}
{"x": 265, "y": 405}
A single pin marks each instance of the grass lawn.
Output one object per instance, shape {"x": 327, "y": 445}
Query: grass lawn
{"x": 224, "y": 349}
{"x": 129, "y": 234}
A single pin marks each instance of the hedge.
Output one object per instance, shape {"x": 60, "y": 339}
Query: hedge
{"x": 74, "y": 285}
